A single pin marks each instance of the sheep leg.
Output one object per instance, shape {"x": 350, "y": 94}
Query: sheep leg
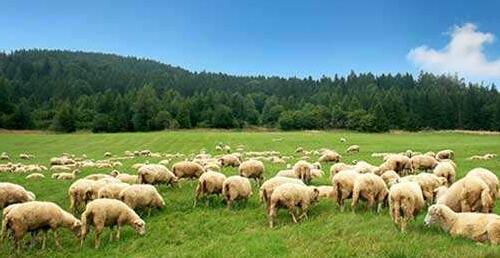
{"x": 118, "y": 230}
{"x": 44, "y": 240}
{"x": 149, "y": 211}
{"x": 111, "y": 233}
{"x": 97, "y": 240}
{"x": 56, "y": 238}
{"x": 369, "y": 202}
{"x": 355, "y": 198}
{"x": 271, "y": 215}
{"x": 292, "y": 211}
{"x": 229, "y": 204}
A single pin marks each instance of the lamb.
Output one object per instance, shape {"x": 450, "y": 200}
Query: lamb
{"x": 335, "y": 168}
{"x": 187, "y": 169}
{"x": 489, "y": 178}
{"x": 35, "y": 216}
{"x": 476, "y": 226}
{"x": 445, "y": 154}
{"x": 390, "y": 177}
{"x": 35, "y": 176}
{"x": 428, "y": 183}
{"x": 235, "y": 188}
{"x": 109, "y": 212}
{"x": 229, "y": 160}
{"x": 12, "y": 193}
{"x": 209, "y": 182}
{"x": 111, "y": 191}
{"x": 142, "y": 196}
{"x": 124, "y": 177}
{"x": 330, "y": 156}
{"x": 156, "y": 174}
{"x": 343, "y": 184}
{"x": 405, "y": 202}
{"x": 291, "y": 196}
{"x": 467, "y": 194}
{"x": 370, "y": 188}
{"x": 252, "y": 169}
{"x": 302, "y": 170}
{"x": 352, "y": 149}
{"x": 446, "y": 170}
{"x": 268, "y": 187}
{"x": 423, "y": 162}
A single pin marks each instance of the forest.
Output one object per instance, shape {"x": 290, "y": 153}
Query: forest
{"x": 68, "y": 91}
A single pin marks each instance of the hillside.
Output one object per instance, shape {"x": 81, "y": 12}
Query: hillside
{"x": 67, "y": 91}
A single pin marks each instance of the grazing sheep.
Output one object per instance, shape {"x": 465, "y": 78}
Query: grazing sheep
{"x": 35, "y": 216}
{"x": 365, "y": 167}
{"x": 299, "y": 150}
{"x": 97, "y": 176}
{"x": 390, "y": 177}
{"x": 290, "y": 173}
{"x": 445, "y": 154}
{"x": 60, "y": 169}
{"x": 302, "y": 170}
{"x": 209, "y": 182}
{"x": 446, "y": 170}
{"x": 292, "y": 196}
{"x": 487, "y": 156}
{"x": 489, "y": 178}
{"x": 4, "y": 156}
{"x": 343, "y": 140}
{"x": 316, "y": 173}
{"x": 469, "y": 194}
{"x": 353, "y": 149}
{"x": 335, "y": 168}
{"x": 109, "y": 212}
{"x": 12, "y": 193}
{"x": 235, "y": 188}
{"x": 65, "y": 176}
{"x": 428, "y": 183}
{"x": 405, "y": 201}
{"x": 268, "y": 187}
{"x": 108, "y": 154}
{"x": 330, "y": 156}
{"x": 430, "y": 153}
{"x": 187, "y": 169}
{"x": 476, "y": 226}
{"x": 142, "y": 196}
{"x": 125, "y": 178}
{"x": 84, "y": 190}
{"x": 35, "y": 176}
{"x": 229, "y": 160}
{"x": 325, "y": 191}
{"x": 156, "y": 174}
{"x": 370, "y": 188}
{"x": 423, "y": 162}
{"x": 211, "y": 166}
{"x": 111, "y": 191}
{"x": 343, "y": 184}
{"x": 396, "y": 162}
{"x": 252, "y": 169}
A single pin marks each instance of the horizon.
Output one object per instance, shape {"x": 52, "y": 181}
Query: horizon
{"x": 260, "y": 39}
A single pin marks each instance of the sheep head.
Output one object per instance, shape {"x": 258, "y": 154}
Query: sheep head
{"x": 139, "y": 226}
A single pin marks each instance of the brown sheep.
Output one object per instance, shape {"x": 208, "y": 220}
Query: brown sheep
{"x": 229, "y": 160}
{"x": 489, "y": 178}
{"x": 445, "y": 154}
{"x": 187, "y": 169}
{"x": 469, "y": 194}
{"x": 329, "y": 156}
{"x": 109, "y": 212}
{"x": 292, "y": 196}
{"x": 209, "y": 182}
{"x": 370, "y": 188}
{"x": 343, "y": 184}
{"x": 235, "y": 188}
{"x": 423, "y": 162}
{"x": 12, "y": 193}
{"x": 124, "y": 177}
{"x": 252, "y": 169}
{"x": 405, "y": 201}
{"x": 396, "y": 162}
{"x": 476, "y": 226}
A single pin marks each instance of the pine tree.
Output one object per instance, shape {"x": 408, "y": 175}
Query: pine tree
{"x": 64, "y": 120}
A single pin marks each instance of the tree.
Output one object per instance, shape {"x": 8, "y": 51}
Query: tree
{"x": 144, "y": 108}
{"x": 222, "y": 117}
{"x": 163, "y": 120}
{"x": 64, "y": 120}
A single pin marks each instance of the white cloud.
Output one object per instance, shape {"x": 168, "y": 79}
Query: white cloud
{"x": 463, "y": 55}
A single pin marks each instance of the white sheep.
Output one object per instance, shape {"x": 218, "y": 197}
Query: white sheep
{"x": 109, "y": 212}
{"x": 445, "y": 154}
{"x": 329, "y": 156}
{"x": 235, "y": 188}
{"x": 111, "y": 191}
{"x": 371, "y": 188}
{"x": 489, "y": 178}
{"x": 252, "y": 169}
{"x": 469, "y": 194}
{"x": 353, "y": 149}
{"x": 209, "y": 182}
{"x": 142, "y": 196}
{"x": 343, "y": 184}
{"x": 405, "y": 202}
{"x": 156, "y": 174}
{"x": 124, "y": 177}
{"x": 229, "y": 160}
{"x": 13, "y": 193}
{"x": 187, "y": 169}
{"x": 35, "y": 176}
{"x": 268, "y": 187}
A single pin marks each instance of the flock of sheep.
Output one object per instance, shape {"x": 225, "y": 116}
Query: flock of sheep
{"x": 405, "y": 182}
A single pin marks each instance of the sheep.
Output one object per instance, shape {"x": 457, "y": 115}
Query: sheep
{"x": 65, "y": 176}
{"x": 111, "y": 191}
{"x": 124, "y": 177}
{"x": 352, "y": 149}
{"x": 390, "y": 177}
{"x": 476, "y": 226}
{"x": 423, "y": 162}
{"x": 343, "y": 140}
{"x": 252, "y": 169}
{"x": 335, "y": 168}
{"x": 35, "y": 216}
{"x": 343, "y": 184}
{"x": 209, "y": 182}
{"x": 446, "y": 170}
{"x": 316, "y": 173}
{"x": 299, "y": 150}
{"x": 290, "y": 173}
{"x": 84, "y": 190}
{"x": 187, "y": 169}
{"x": 108, "y": 154}
{"x": 430, "y": 153}
{"x": 60, "y": 169}
{"x": 227, "y": 148}
{"x": 467, "y": 194}
{"x": 142, "y": 196}
{"x": 4, "y": 156}
{"x": 64, "y": 160}
{"x": 229, "y": 160}
{"x": 371, "y": 188}
{"x": 292, "y": 196}
{"x": 489, "y": 178}
{"x": 405, "y": 202}
{"x": 25, "y": 156}
{"x": 330, "y": 156}
{"x": 428, "y": 183}
{"x": 303, "y": 170}
{"x": 365, "y": 167}
{"x": 396, "y": 162}
{"x": 109, "y": 212}
{"x": 267, "y": 188}
{"x": 445, "y": 154}
{"x": 35, "y": 176}
{"x": 325, "y": 191}
{"x": 235, "y": 188}
{"x": 212, "y": 166}
{"x": 487, "y": 156}
{"x": 97, "y": 176}
{"x": 11, "y": 193}
{"x": 156, "y": 174}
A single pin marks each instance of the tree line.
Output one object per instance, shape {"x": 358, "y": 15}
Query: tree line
{"x": 67, "y": 91}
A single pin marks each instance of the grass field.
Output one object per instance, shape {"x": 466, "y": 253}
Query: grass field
{"x": 180, "y": 230}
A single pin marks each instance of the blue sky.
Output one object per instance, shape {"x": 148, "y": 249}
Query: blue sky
{"x": 286, "y": 38}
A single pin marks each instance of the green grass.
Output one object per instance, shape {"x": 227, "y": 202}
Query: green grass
{"x": 181, "y": 230}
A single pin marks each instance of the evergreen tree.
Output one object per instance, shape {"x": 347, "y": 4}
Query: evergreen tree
{"x": 64, "y": 120}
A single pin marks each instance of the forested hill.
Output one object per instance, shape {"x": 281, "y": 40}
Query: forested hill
{"x": 67, "y": 91}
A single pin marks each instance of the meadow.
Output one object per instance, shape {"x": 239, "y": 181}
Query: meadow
{"x": 181, "y": 230}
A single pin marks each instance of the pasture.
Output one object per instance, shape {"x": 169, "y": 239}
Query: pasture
{"x": 179, "y": 230}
